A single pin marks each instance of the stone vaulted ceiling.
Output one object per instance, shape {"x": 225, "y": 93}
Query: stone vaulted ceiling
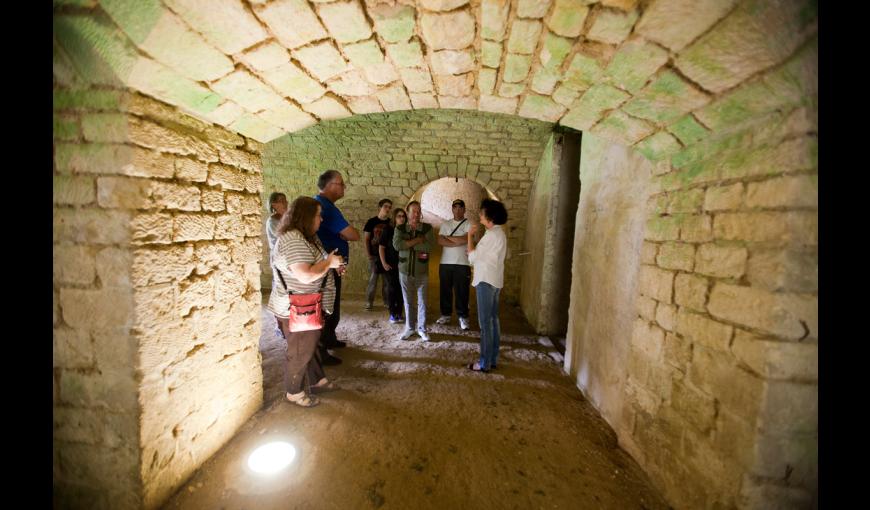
{"x": 627, "y": 69}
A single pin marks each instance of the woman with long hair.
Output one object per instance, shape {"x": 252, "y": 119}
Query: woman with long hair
{"x": 390, "y": 261}
{"x": 299, "y": 265}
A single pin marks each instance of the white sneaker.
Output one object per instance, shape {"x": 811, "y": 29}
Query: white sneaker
{"x": 463, "y": 324}
{"x": 423, "y": 335}
{"x": 444, "y": 319}
{"x": 406, "y": 334}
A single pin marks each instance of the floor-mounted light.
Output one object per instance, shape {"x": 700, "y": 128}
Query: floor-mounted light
{"x": 271, "y": 458}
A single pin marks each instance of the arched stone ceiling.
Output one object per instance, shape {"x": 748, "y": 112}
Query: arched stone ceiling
{"x": 629, "y": 70}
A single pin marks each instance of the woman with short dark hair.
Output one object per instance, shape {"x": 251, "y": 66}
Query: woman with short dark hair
{"x": 390, "y": 260}
{"x": 487, "y": 258}
{"x": 299, "y": 265}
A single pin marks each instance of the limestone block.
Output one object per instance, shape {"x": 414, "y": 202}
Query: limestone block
{"x": 666, "y": 99}
{"x": 490, "y": 53}
{"x": 193, "y": 227}
{"x": 113, "y": 267}
{"x": 96, "y": 427}
{"x": 246, "y": 251}
{"x": 592, "y": 104}
{"x": 105, "y": 127}
{"x": 724, "y": 198}
{"x": 516, "y": 68}
{"x": 322, "y": 60}
{"x": 256, "y": 128}
{"x": 677, "y": 352}
{"x": 789, "y": 316}
{"x": 658, "y": 146}
{"x": 787, "y": 191}
{"x": 66, "y": 127}
{"x": 107, "y": 389}
{"x": 254, "y": 183}
{"x": 721, "y": 261}
{"x": 95, "y": 158}
{"x": 423, "y": 101}
{"x": 162, "y": 113}
{"x": 345, "y": 21}
{"x": 543, "y": 81}
{"x": 292, "y": 21}
{"x": 229, "y": 226}
{"x": 364, "y": 105}
{"x": 265, "y": 57}
{"x": 533, "y": 8}
{"x": 394, "y": 98}
{"x": 698, "y": 408}
{"x": 416, "y": 80}
{"x": 253, "y": 228}
{"x": 246, "y": 90}
{"x": 524, "y": 36}
{"x": 494, "y": 18}
{"x": 158, "y": 80}
{"x": 450, "y": 31}
{"x": 657, "y": 22}
{"x": 154, "y": 265}
{"x": 197, "y": 293}
{"x": 541, "y": 108}
{"x": 790, "y": 408}
{"x": 92, "y": 310}
{"x": 240, "y": 159}
{"x": 450, "y": 85}
{"x": 656, "y": 283}
{"x": 175, "y": 196}
{"x": 700, "y": 330}
{"x": 612, "y": 27}
{"x": 460, "y": 102}
{"x": 497, "y": 104}
{"x": 582, "y": 73}
{"x": 327, "y": 108}
{"x": 225, "y": 114}
{"x": 634, "y": 63}
{"x": 395, "y": 23}
{"x": 565, "y": 96}
{"x": 90, "y": 99}
{"x": 687, "y": 201}
{"x": 211, "y": 256}
{"x": 757, "y": 494}
{"x": 73, "y": 190}
{"x": 554, "y": 51}
{"x": 287, "y": 117}
{"x": 648, "y": 252}
{"x": 676, "y": 256}
{"x": 567, "y": 17}
{"x": 442, "y": 5}
{"x": 91, "y": 226}
{"x": 696, "y": 228}
{"x": 662, "y": 229}
{"x": 452, "y": 62}
{"x": 786, "y": 270}
{"x": 775, "y": 359}
{"x": 73, "y": 265}
{"x": 691, "y": 291}
{"x": 646, "y": 308}
{"x": 688, "y": 130}
{"x": 227, "y": 177}
{"x": 291, "y": 81}
{"x": 754, "y": 36}
{"x": 665, "y": 316}
{"x": 225, "y": 23}
{"x": 72, "y": 349}
{"x": 622, "y": 128}
{"x": 151, "y": 229}
{"x": 154, "y": 136}
{"x": 486, "y": 81}
{"x": 234, "y": 202}
{"x": 647, "y": 339}
{"x": 229, "y": 286}
{"x": 739, "y": 392}
{"x": 364, "y": 54}
{"x": 795, "y": 227}
{"x": 406, "y": 54}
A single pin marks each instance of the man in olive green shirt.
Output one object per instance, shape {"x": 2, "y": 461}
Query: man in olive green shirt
{"x": 414, "y": 241}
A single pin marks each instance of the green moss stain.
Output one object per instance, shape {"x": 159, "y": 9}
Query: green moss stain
{"x": 407, "y": 54}
{"x": 555, "y": 50}
{"x": 491, "y": 53}
{"x": 87, "y": 99}
{"x": 516, "y": 67}
{"x": 65, "y": 128}
{"x": 658, "y": 146}
{"x": 688, "y": 130}
{"x": 364, "y": 54}
{"x": 398, "y": 27}
{"x": 582, "y": 73}
{"x": 137, "y": 19}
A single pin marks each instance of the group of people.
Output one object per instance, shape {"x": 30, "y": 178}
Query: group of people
{"x": 308, "y": 241}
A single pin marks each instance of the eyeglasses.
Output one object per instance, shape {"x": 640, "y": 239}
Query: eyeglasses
{"x": 343, "y": 185}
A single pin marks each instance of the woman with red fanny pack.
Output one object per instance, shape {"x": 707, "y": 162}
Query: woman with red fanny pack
{"x": 303, "y": 288}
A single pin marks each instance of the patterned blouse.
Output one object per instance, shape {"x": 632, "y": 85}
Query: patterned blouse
{"x": 291, "y": 248}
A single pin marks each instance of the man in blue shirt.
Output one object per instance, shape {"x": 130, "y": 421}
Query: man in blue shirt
{"x": 334, "y": 233}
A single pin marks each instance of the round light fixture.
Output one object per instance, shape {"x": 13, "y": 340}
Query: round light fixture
{"x": 271, "y": 458}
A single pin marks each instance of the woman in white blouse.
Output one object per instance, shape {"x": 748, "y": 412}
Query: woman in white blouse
{"x": 487, "y": 258}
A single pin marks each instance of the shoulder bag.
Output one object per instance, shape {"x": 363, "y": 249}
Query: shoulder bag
{"x": 306, "y": 311}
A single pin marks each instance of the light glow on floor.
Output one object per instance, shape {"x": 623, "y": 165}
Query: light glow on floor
{"x": 271, "y": 458}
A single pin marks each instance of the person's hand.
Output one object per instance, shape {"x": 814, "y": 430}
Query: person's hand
{"x": 472, "y": 230}
{"x": 334, "y": 259}
{"x": 387, "y": 267}
{"x": 341, "y": 269}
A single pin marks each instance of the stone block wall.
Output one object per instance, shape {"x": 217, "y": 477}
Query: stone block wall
{"x": 721, "y": 394}
{"x": 157, "y": 221}
{"x": 391, "y": 155}
{"x": 536, "y": 246}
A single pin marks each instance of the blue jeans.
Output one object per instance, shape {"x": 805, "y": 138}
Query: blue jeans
{"x": 490, "y": 330}
{"x": 410, "y": 287}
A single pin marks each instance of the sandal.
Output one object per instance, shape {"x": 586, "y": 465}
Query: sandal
{"x": 324, "y": 385}
{"x": 475, "y": 367}
{"x": 303, "y": 400}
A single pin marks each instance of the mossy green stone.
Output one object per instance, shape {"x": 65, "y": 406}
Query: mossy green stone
{"x": 87, "y": 99}
{"x": 582, "y": 73}
{"x": 568, "y": 16}
{"x": 688, "y": 130}
{"x": 406, "y": 54}
{"x": 397, "y": 28}
{"x": 95, "y": 45}
{"x": 555, "y": 50}
{"x": 634, "y": 63}
{"x": 486, "y": 80}
{"x": 545, "y": 80}
{"x": 490, "y": 53}
{"x": 658, "y": 146}
{"x": 511, "y": 89}
{"x": 516, "y": 67}
{"x": 524, "y": 36}
{"x": 65, "y": 128}
{"x": 364, "y": 54}
{"x": 136, "y": 19}
{"x": 665, "y": 99}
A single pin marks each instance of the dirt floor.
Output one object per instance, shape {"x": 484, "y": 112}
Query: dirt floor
{"x": 410, "y": 427}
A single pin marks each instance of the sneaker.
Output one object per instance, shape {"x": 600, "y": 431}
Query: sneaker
{"x": 330, "y": 360}
{"x": 368, "y": 307}
{"x": 407, "y": 333}
{"x": 394, "y": 320}
{"x": 423, "y": 335}
{"x": 444, "y": 319}
{"x": 463, "y": 324}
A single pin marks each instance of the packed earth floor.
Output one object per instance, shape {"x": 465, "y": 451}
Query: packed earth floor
{"x": 410, "y": 427}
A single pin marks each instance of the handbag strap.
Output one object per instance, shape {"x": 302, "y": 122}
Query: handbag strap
{"x": 457, "y": 227}
{"x": 322, "y": 284}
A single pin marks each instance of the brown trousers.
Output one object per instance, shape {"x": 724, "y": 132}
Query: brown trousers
{"x": 303, "y": 366}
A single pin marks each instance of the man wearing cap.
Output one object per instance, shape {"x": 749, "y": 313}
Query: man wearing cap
{"x": 455, "y": 270}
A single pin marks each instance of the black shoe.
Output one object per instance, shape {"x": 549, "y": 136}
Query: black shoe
{"x": 331, "y": 360}
{"x": 338, "y": 344}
